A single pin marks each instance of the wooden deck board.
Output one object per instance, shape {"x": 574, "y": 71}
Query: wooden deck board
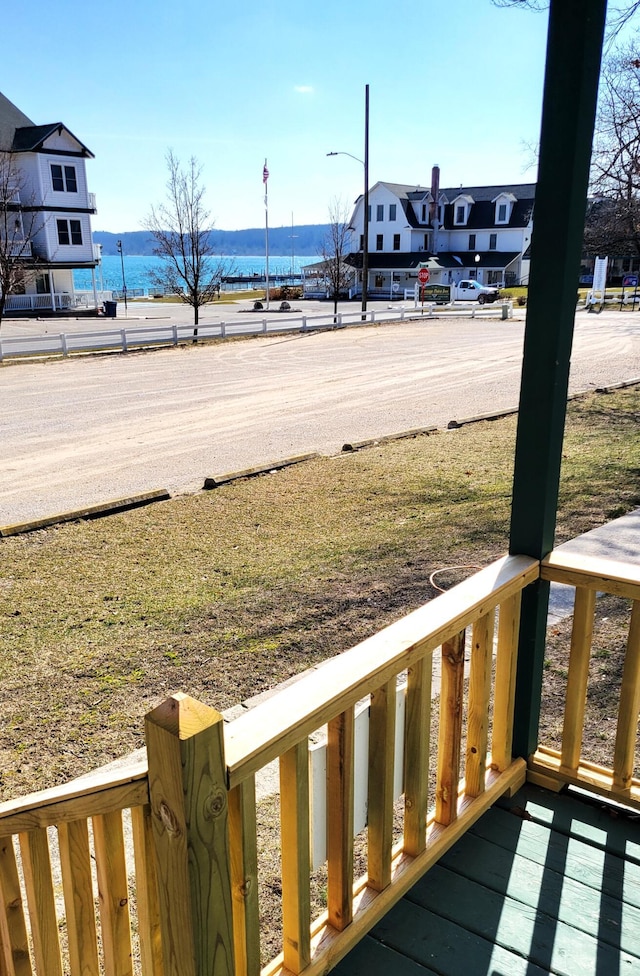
{"x": 554, "y": 889}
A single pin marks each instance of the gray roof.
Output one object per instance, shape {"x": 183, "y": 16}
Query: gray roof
{"x": 11, "y": 118}
{"x": 414, "y": 191}
{"x": 19, "y": 134}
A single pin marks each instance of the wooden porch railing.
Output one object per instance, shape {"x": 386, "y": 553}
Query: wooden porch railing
{"x": 193, "y": 802}
{"x": 553, "y": 768}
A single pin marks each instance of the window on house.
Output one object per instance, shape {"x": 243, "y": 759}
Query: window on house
{"x": 493, "y": 241}
{"x": 69, "y": 232}
{"x": 379, "y": 242}
{"x": 424, "y": 213}
{"x": 472, "y": 242}
{"x": 63, "y": 178}
{"x": 379, "y": 281}
{"x": 392, "y": 211}
{"x": 460, "y": 213}
{"x": 369, "y": 213}
{"x": 380, "y": 211}
{"x": 362, "y": 242}
{"x": 427, "y": 242}
{"x": 502, "y": 213}
{"x": 396, "y": 242}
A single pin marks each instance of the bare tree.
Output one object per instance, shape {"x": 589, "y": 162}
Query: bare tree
{"x": 619, "y": 16}
{"x": 17, "y": 228}
{"x": 334, "y": 250}
{"x": 613, "y": 218}
{"x": 182, "y": 231}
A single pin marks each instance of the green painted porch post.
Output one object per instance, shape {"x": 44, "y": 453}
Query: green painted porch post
{"x": 574, "y": 49}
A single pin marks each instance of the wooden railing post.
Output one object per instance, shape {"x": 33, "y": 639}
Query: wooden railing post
{"x": 189, "y": 807}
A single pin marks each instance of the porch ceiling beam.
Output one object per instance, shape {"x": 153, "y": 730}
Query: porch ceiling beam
{"x": 574, "y": 49}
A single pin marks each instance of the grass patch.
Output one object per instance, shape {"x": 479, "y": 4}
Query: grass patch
{"x": 225, "y": 593}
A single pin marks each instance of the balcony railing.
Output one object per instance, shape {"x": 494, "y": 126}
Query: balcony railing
{"x": 192, "y": 804}
{"x": 22, "y": 303}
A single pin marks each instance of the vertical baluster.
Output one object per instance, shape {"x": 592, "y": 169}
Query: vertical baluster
{"x": 416, "y": 755}
{"x": 296, "y": 857}
{"x": 340, "y": 786}
{"x": 450, "y": 734}
{"x": 148, "y": 909}
{"x": 114, "y": 893}
{"x": 38, "y": 882}
{"x": 624, "y": 754}
{"x": 380, "y": 800}
{"x": 576, "y": 697}
{"x": 505, "y": 683}
{"x": 13, "y": 930}
{"x": 75, "y": 863}
{"x": 243, "y": 851}
{"x": 479, "y": 700}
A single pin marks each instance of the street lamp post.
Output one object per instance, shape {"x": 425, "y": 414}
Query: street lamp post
{"x": 365, "y": 236}
{"x": 124, "y": 283}
{"x": 477, "y": 260}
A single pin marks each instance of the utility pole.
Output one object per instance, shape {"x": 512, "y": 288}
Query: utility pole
{"x": 124, "y": 283}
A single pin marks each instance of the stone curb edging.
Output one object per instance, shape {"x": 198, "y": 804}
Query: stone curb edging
{"x": 224, "y": 479}
{"x": 454, "y": 424}
{"x": 618, "y": 386}
{"x": 386, "y": 438}
{"x": 91, "y": 511}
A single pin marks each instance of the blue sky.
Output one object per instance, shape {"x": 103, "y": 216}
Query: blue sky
{"x": 457, "y": 83}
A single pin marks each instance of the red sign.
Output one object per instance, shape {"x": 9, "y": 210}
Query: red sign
{"x": 423, "y": 276}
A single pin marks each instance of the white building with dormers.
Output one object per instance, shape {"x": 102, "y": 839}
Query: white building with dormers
{"x": 52, "y": 207}
{"x": 481, "y": 232}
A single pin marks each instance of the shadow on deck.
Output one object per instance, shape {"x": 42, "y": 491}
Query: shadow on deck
{"x": 543, "y": 883}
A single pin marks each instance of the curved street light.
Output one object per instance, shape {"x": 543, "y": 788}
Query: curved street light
{"x": 364, "y": 163}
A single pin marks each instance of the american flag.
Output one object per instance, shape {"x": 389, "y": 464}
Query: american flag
{"x": 265, "y": 172}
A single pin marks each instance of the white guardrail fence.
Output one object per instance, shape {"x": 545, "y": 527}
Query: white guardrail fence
{"x": 127, "y": 337}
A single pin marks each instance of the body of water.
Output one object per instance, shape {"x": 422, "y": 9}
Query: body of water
{"x": 138, "y": 267}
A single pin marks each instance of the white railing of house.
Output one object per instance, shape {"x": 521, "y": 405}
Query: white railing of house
{"x": 162, "y": 334}
{"x": 21, "y": 303}
{"x": 20, "y": 249}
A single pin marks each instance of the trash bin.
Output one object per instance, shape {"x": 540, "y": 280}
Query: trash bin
{"x": 110, "y": 309}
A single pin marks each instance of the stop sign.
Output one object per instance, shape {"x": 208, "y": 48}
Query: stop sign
{"x": 423, "y": 276}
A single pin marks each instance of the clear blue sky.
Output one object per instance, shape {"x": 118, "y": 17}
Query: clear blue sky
{"x": 456, "y": 83}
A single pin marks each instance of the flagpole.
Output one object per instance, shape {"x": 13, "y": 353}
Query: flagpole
{"x": 265, "y": 180}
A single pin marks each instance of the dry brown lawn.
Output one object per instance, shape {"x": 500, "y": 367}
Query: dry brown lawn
{"x": 226, "y": 593}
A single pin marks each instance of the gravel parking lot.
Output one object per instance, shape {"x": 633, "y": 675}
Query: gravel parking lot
{"x": 86, "y": 430}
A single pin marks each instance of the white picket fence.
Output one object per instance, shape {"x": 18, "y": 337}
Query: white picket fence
{"x": 166, "y": 334}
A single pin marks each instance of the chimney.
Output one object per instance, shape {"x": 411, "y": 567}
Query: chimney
{"x": 435, "y": 190}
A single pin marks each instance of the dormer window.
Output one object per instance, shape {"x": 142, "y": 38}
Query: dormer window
{"x": 504, "y": 207}
{"x": 461, "y": 209}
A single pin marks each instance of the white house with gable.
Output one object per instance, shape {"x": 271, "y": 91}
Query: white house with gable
{"x": 50, "y": 206}
{"x": 481, "y": 232}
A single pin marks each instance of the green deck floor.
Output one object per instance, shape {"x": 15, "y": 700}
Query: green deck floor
{"x": 550, "y": 884}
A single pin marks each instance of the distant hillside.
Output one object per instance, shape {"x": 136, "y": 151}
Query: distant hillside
{"x": 307, "y": 239}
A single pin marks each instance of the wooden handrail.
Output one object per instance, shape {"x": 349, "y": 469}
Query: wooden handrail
{"x": 100, "y": 791}
{"x": 266, "y": 731}
{"x": 594, "y": 572}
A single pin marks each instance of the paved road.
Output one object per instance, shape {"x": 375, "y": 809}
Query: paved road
{"x": 83, "y": 431}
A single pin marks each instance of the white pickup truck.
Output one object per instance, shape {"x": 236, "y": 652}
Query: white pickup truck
{"x": 473, "y": 291}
